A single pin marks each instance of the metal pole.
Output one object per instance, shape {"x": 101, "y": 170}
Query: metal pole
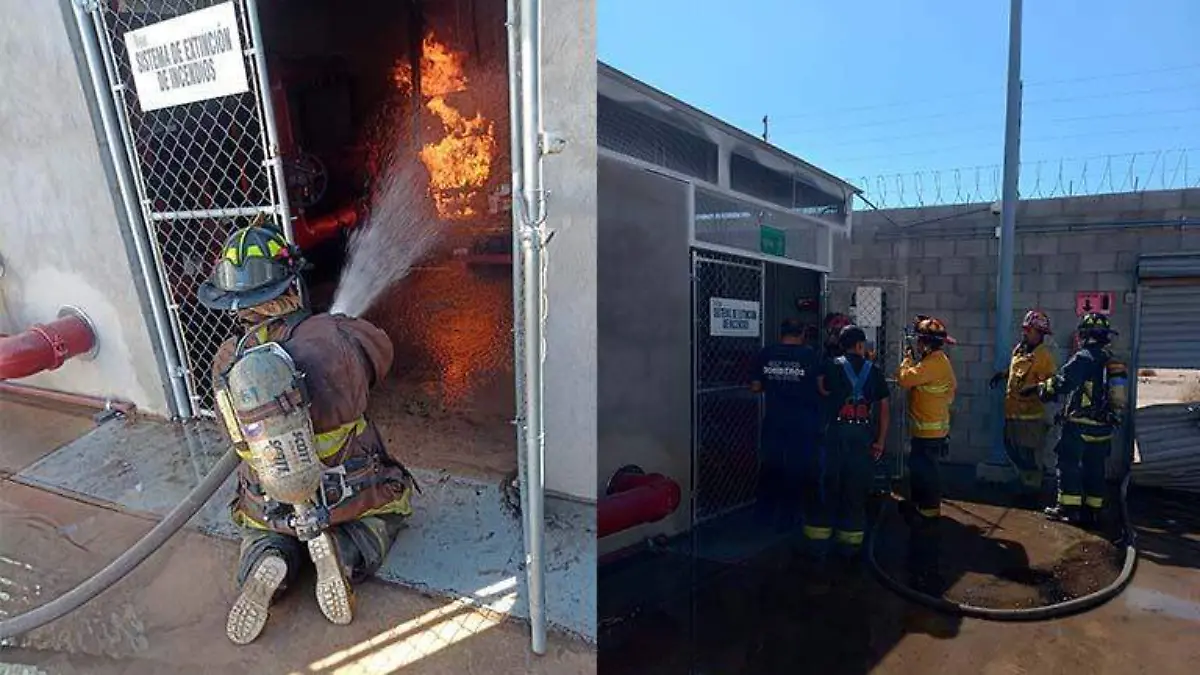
{"x": 532, "y": 241}
{"x": 1008, "y": 220}
{"x": 515, "y": 195}
{"x": 88, "y": 36}
{"x": 269, "y": 127}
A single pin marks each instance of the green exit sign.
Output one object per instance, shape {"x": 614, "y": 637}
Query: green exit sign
{"x": 772, "y": 241}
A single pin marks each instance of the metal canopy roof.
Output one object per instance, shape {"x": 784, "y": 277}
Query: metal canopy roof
{"x": 1168, "y": 265}
{"x": 622, "y": 87}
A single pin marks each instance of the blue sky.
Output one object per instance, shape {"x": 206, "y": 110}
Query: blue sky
{"x": 901, "y": 86}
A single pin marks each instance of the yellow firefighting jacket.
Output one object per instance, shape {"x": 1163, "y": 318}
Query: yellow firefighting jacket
{"x": 1027, "y": 368}
{"x": 931, "y": 386}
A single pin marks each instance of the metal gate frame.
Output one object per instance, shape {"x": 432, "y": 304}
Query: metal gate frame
{"x": 700, "y": 258}
{"x": 839, "y": 292}
{"x": 190, "y": 345}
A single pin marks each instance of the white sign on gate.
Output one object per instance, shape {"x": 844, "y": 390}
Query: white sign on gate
{"x": 193, "y": 57}
{"x": 868, "y": 301}
{"x": 733, "y": 318}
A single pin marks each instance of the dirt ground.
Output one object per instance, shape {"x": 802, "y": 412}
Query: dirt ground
{"x": 168, "y": 615}
{"x": 449, "y": 401}
{"x": 1009, "y": 558}
{"x": 1168, "y": 386}
{"x": 780, "y": 615}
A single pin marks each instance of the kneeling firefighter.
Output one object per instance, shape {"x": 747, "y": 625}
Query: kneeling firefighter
{"x": 1025, "y": 425}
{"x": 1094, "y": 383}
{"x": 928, "y": 377}
{"x": 315, "y": 475}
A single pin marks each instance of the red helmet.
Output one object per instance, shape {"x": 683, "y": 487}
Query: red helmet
{"x": 835, "y": 322}
{"x": 932, "y": 329}
{"x": 1037, "y": 320}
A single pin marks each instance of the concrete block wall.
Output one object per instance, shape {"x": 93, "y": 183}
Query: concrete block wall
{"x": 1064, "y": 246}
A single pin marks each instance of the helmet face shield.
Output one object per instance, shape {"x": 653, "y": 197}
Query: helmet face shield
{"x": 252, "y": 274}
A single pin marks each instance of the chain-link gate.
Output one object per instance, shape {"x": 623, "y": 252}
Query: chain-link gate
{"x": 201, "y": 170}
{"x": 880, "y": 307}
{"x": 727, "y": 337}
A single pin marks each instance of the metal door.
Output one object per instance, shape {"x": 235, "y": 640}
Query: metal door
{"x": 727, "y": 293}
{"x": 881, "y": 308}
{"x": 201, "y": 170}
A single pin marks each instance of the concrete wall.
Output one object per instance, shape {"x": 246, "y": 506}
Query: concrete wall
{"x": 569, "y": 77}
{"x": 1064, "y": 246}
{"x": 644, "y": 320}
{"x": 61, "y": 235}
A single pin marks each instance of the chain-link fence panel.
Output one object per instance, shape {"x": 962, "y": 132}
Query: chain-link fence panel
{"x": 201, "y": 169}
{"x": 727, "y": 339}
{"x": 880, "y": 307}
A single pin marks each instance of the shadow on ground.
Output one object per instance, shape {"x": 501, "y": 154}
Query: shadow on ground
{"x": 672, "y": 609}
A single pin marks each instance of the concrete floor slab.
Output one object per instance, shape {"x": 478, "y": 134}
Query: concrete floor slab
{"x": 30, "y": 432}
{"x": 464, "y": 540}
{"x": 168, "y": 615}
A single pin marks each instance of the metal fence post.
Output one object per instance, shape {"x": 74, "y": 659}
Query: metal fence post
{"x": 90, "y": 39}
{"x": 267, "y": 109}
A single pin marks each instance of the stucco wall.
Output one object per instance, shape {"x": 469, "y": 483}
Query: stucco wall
{"x": 644, "y": 319}
{"x": 61, "y": 236}
{"x": 1064, "y": 246}
{"x": 569, "y": 82}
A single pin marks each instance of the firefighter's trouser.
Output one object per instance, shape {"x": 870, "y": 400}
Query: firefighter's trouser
{"x": 925, "y": 486}
{"x": 788, "y": 446}
{"x": 1024, "y": 440}
{"x": 835, "y": 503}
{"x": 362, "y": 545}
{"x": 1082, "y": 454}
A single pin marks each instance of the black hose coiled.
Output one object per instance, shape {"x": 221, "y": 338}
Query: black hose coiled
{"x": 1057, "y": 610}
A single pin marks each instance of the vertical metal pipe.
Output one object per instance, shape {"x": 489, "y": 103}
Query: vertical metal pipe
{"x": 270, "y": 129}
{"x": 515, "y": 196}
{"x": 532, "y": 241}
{"x": 1008, "y": 220}
{"x": 89, "y": 36}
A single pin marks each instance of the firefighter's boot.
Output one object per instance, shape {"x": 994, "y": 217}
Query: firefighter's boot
{"x": 334, "y": 595}
{"x": 1065, "y": 514}
{"x": 249, "y": 613}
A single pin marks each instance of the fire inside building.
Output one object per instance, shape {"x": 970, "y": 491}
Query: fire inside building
{"x": 354, "y": 96}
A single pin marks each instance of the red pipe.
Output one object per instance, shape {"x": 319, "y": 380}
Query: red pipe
{"x": 313, "y": 231}
{"x": 44, "y": 347}
{"x": 636, "y": 499}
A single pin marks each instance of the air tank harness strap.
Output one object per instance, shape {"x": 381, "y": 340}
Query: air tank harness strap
{"x": 856, "y": 410}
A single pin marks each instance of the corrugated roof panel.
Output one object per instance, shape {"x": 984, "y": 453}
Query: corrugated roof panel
{"x": 1169, "y": 266}
{"x": 1170, "y": 326}
{"x": 1168, "y": 447}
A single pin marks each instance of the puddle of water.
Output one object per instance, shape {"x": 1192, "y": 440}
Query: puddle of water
{"x": 1156, "y": 602}
{"x": 109, "y": 626}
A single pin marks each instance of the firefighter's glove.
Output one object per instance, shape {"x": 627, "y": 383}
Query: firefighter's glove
{"x": 997, "y": 379}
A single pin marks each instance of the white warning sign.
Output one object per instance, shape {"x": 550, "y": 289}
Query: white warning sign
{"x": 193, "y": 57}
{"x": 733, "y": 318}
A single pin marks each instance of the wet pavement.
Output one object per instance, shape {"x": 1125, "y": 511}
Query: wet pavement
{"x": 776, "y": 613}
{"x": 67, "y": 510}
{"x": 168, "y": 615}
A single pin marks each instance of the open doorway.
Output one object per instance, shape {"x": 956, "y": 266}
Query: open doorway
{"x": 426, "y": 81}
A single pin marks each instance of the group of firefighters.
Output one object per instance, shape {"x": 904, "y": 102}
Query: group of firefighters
{"x": 827, "y": 417}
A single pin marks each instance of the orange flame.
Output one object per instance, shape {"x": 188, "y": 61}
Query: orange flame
{"x": 460, "y": 162}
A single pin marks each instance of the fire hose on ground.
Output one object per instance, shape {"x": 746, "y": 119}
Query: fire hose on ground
{"x": 1053, "y": 611}
{"x": 128, "y": 561}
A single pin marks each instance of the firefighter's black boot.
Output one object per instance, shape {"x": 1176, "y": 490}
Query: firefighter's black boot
{"x": 1065, "y": 514}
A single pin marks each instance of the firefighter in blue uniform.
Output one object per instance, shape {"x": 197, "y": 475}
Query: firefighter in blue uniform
{"x": 1093, "y": 382}
{"x": 786, "y": 374}
{"x": 856, "y": 418}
